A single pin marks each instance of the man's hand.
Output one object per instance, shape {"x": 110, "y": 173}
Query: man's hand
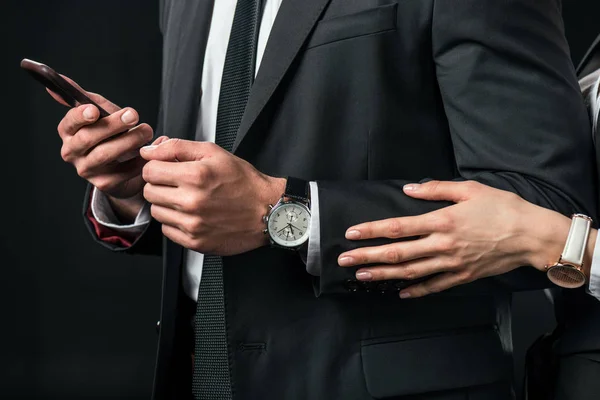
{"x": 105, "y": 152}
{"x": 207, "y": 199}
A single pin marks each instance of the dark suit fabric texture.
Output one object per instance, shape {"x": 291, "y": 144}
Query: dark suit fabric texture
{"x": 364, "y": 96}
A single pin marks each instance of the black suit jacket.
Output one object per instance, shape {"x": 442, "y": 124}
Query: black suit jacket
{"x": 364, "y": 96}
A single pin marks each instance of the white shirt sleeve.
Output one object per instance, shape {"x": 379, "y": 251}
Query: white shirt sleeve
{"x": 313, "y": 258}
{"x": 590, "y": 87}
{"x": 104, "y": 214}
{"x": 594, "y": 286}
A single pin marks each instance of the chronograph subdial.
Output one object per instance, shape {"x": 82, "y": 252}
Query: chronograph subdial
{"x": 289, "y": 224}
{"x": 291, "y": 215}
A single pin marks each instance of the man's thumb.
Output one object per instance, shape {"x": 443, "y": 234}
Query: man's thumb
{"x": 172, "y": 150}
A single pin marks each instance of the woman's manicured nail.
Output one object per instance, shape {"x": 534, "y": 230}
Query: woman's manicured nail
{"x": 353, "y": 234}
{"x": 364, "y": 276}
{"x": 411, "y": 187}
{"x": 405, "y": 295}
{"x": 346, "y": 261}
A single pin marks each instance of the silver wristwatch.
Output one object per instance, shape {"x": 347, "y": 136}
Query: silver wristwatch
{"x": 288, "y": 221}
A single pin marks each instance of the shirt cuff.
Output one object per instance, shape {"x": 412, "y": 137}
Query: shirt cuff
{"x": 313, "y": 258}
{"x": 104, "y": 214}
{"x": 594, "y": 286}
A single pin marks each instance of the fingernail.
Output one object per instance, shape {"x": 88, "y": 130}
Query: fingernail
{"x": 411, "y": 187}
{"x": 346, "y": 261}
{"x": 148, "y": 148}
{"x": 128, "y": 117}
{"x": 89, "y": 114}
{"x": 405, "y": 295}
{"x": 364, "y": 276}
{"x": 353, "y": 234}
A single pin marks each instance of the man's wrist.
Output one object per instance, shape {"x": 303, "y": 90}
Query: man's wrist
{"x": 128, "y": 209}
{"x": 273, "y": 189}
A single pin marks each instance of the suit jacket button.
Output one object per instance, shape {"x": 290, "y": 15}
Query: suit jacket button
{"x": 383, "y": 287}
{"x": 367, "y": 286}
{"x": 157, "y": 326}
{"x": 351, "y": 285}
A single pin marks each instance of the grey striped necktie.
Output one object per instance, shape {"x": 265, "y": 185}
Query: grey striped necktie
{"x": 212, "y": 379}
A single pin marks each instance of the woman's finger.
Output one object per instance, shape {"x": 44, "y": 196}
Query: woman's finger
{"x": 436, "y": 284}
{"x": 394, "y": 228}
{"x": 406, "y": 271}
{"x": 394, "y": 253}
{"x": 442, "y": 191}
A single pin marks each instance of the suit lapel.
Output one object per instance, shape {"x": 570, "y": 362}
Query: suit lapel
{"x": 186, "y": 27}
{"x": 294, "y": 22}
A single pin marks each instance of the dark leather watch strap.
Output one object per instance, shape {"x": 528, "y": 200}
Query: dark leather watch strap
{"x": 297, "y": 189}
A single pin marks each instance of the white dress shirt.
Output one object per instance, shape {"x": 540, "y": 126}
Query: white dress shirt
{"x": 212, "y": 74}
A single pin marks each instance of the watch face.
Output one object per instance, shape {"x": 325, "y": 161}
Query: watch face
{"x": 289, "y": 224}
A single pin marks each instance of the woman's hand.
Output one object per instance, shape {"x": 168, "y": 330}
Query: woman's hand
{"x": 487, "y": 233}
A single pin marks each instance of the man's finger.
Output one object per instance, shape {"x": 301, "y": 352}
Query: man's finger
{"x": 176, "y": 174}
{"x": 436, "y": 284}
{"x": 120, "y": 148}
{"x": 406, "y": 271}
{"x": 394, "y": 228}
{"x": 101, "y": 101}
{"x": 76, "y": 118}
{"x": 179, "y": 150}
{"x": 165, "y": 197}
{"x": 177, "y": 236}
{"x": 441, "y": 190}
{"x": 56, "y": 97}
{"x": 83, "y": 140}
{"x": 159, "y": 140}
{"x": 394, "y": 253}
{"x": 109, "y": 106}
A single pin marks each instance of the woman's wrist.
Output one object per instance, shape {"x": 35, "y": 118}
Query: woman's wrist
{"x": 547, "y": 231}
{"x": 544, "y": 234}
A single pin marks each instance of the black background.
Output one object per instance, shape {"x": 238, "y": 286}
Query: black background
{"x": 77, "y": 321}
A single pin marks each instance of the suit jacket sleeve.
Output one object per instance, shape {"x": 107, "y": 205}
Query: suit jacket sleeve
{"x": 149, "y": 242}
{"x": 516, "y": 117}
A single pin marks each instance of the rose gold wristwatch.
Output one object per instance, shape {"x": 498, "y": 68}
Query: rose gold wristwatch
{"x": 568, "y": 270}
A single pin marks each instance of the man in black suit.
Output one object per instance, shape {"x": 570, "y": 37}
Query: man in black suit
{"x": 358, "y": 97}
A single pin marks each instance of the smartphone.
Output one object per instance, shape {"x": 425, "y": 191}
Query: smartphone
{"x": 53, "y": 81}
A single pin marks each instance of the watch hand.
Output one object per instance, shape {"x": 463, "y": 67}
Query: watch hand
{"x": 298, "y": 229}
{"x": 291, "y": 228}
{"x": 282, "y": 229}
